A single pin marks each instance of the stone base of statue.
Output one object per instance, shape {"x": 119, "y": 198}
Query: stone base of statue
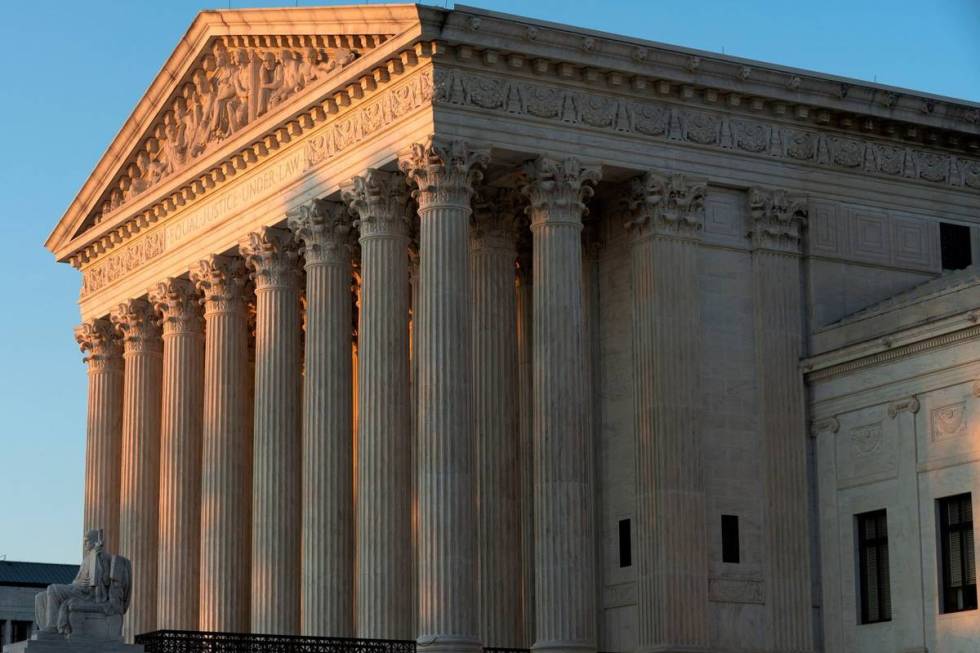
{"x": 57, "y": 643}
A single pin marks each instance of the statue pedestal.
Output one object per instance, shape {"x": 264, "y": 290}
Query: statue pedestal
{"x": 52, "y": 643}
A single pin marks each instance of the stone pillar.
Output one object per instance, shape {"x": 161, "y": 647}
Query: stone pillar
{"x": 672, "y": 579}
{"x": 324, "y": 231}
{"x": 448, "y": 620}
{"x": 226, "y": 449}
{"x": 139, "y": 498}
{"x": 525, "y": 374}
{"x": 564, "y": 556}
{"x": 178, "y": 589}
{"x": 495, "y": 412}
{"x": 383, "y": 509}
{"x": 777, "y": 220}
{"x": 276, "y": 456}
{"x": 103, "y": 428}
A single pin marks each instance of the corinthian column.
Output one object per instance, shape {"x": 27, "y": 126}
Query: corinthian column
{"x": 448, "y": 619}
{"x": 777, "y": 221}
{"x": 180, "y": 448}
{"x": 492, "y": 256}
{"x": 564, "y": 555}
{"x": 226, "y": 449}
{"x": 139, "y": 500}
{"x": 383, "y": 508}
{"x": 525, "y": 386}
{"x": 672, "y": 581}
{"x": 103, "y": 427}
{"x": 324, "y": 231}
{"x": 276, "y": 465}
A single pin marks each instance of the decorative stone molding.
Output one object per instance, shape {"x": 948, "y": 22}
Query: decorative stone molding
{"x": 826, "y": 425}
{"x": 178, "y": 302}
{"x": 777, "y": 219}
{"x": 907, "y": 405}
{"x": 381, "y": 201}
{"x": 322, "y": 228}
{"x": 99, "y": 341}
{"x": 222, "y": 280}
{"x": 634, "y": 116}
{"x": 557, "y": 190}
{"x": 271, "y": 254}
{"x": 136, "y": 322}
{"x": 666, "y": 204}
{"x": 444, "y": 172}
{"x": 736, "y": 590}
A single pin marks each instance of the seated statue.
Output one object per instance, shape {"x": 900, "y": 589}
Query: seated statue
{"x": 93, "y": 605}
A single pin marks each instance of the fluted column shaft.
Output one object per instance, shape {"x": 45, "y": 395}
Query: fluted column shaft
{"x": 383, "y": 492}
{"x": 495, "y": 417}
{"x": 777, "y": 221}
{"x": 178, "y": 589}
{"x": 139, "y": 499}
{"x": 226, "y": 448}
{"x": 672, "y": 579}
{"x": 103, "y": 427}
{"x": 323, "y": 229}
{"x": 524, "y": 292}
{"x": 447, "y": 545}
{"x": 276, "y": 455}
{"x": 564, "y": 548}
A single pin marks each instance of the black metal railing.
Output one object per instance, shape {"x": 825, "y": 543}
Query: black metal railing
{"x": 192, "y": 641}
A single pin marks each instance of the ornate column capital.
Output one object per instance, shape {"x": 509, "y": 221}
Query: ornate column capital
{"x": 670, "y": 205}
{"x": 826, "y": 425}
{"x": 445, "y": 171}
{"x": 557, "y": 190}
{"x": 381, "y": 201}
{"x": 137, "y": 323}
{"x": 222, "y": 280}
{"x": 323, "y": 229}
{"x": 496, "y": 217}
{"x": 99, "y": 343}
{"x": 907, "y": 405}
{"x": 777, "y": 219}
{"x": 177, "y": 300}
{"x": 271, "y": 254}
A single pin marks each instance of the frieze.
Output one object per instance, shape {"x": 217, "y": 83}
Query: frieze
{"x": 335, "y": 138}
{"x": 706, "y": 128}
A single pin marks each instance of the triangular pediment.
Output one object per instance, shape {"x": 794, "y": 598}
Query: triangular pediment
{"x": 232, "y": 70}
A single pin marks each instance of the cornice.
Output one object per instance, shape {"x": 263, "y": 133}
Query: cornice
{"x": 388, "y": 29}
{"x": 806, "y": 95}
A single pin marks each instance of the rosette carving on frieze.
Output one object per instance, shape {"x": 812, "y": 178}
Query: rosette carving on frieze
{"x": 178, "y": 302}
{"x": 221, "y": 280}
{"x": 137, "y": 323}
{"x": 777, "y": 219}
{"x": 558, "y": 189}
{"x": 666, "y": 204}
{"x": 324, "y": 230}
{"x": 381, "y": 201}
{"x": 99, "y": 342}
{"x": 444, "y": 171}
{"x": 271, "y": 254}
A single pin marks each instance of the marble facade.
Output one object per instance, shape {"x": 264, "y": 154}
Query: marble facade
{"x": 448, "y": 325}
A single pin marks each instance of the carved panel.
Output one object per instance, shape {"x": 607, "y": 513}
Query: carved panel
{"x": 724, "y": 217}
{"x": 866, "y": 440}
{"x": 948, "y": 421}
{"x": 912, "y": 243}
{"x": 866, "y": 447}
{"x": 736, "y": 590}
{"x": 870, "y": 238}
{"x": 827, "y": 234}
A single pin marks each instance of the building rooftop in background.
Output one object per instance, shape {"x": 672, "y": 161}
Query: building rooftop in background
{"x": 35, "y": 574}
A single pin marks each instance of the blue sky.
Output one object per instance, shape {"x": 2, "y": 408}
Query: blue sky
{"x": 76, "y": 69}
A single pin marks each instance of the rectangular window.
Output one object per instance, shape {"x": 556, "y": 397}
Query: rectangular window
{"x": 954, "y": 246}
{"x": 625, "y": 544}
{"x": 876, "y": 603}
{"x": 729, "y": 539}
{"x": 959, "y": 590}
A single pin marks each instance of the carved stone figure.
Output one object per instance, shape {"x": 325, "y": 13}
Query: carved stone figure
{"x": 289, "y": 65}
{"x": 93, "y": 605}
{"x": 270, "y": 81}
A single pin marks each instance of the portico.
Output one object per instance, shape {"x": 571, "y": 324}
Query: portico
{"x": 394, "y": 316}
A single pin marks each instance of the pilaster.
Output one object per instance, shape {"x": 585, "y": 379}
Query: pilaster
{"x": 524, "y": 290}
{"x": 178, "y": 591}
{"x": 270, "y": 254}
{"x": 563, "y": 498}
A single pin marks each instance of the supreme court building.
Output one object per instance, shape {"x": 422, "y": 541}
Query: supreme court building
{"x": 452, "y": 326}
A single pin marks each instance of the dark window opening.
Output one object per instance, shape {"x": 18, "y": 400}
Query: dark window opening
{"x": 959, "y": 590}
{"x": 625, "y": 544}
{"x": 876, "y": 602}
{"x": 20, "y": 630}
{"x": 729, "y": 539}
{"x": 954, "y": 246}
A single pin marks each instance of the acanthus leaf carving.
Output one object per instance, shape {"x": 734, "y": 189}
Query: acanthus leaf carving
{"x": 222, "y": 281}
{"x": 666, "y": 204}
{"x": 99, "y": 342}
{"x": 497, "y": 216}
{"x": 558, "y": 189}
{"x": 178, "y": 303}
{"x": 444, "y": 171}
{"x": 381, "y": 201}
{"x": 270, "y": 252}
{"x": 138, "y": 325}
{"x": 777, "y": 219}
{"x": 324, "y": 229}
